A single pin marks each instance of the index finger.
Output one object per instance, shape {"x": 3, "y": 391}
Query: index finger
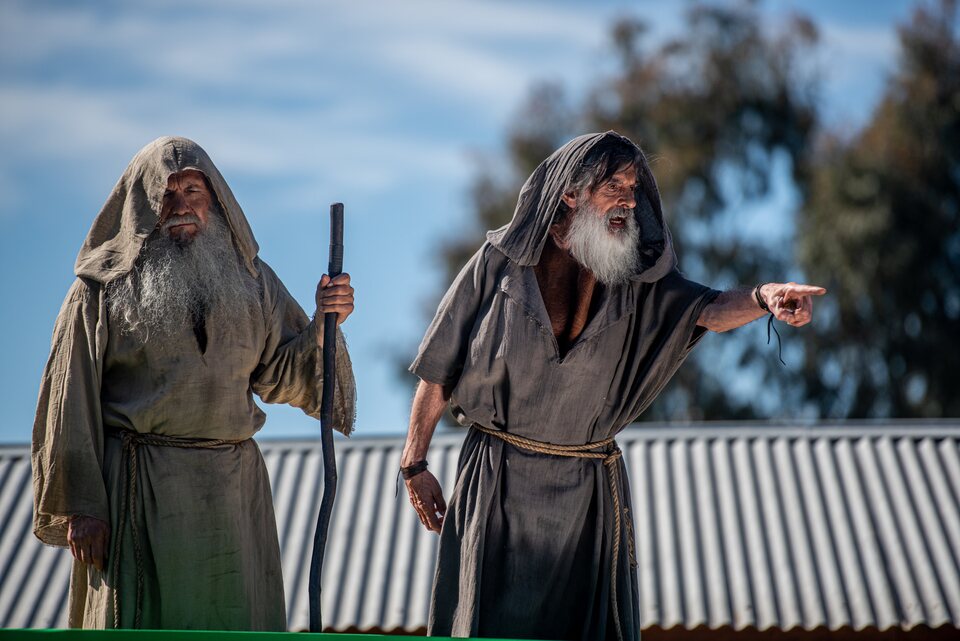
{"x": 342, "y": 279}
{"x": 805, "y": 290}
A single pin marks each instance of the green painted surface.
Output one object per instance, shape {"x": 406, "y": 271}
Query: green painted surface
{"x": 178, "y": 635}
{"x": 190, "y": 635}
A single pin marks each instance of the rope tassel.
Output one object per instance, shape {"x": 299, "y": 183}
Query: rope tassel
{"x": 779, "y": 341}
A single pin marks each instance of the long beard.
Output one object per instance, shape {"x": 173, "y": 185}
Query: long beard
{"x": 174, "y": 283}
{"x": 611, "y": 255}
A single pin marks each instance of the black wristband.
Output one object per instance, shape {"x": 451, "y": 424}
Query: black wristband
{"x": 410, "y": 471}
{"x": 762, "y": 303}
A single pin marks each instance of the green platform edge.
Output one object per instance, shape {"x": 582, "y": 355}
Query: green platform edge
{"x": 194, "y": 635}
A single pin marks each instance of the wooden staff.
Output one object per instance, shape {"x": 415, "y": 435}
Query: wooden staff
{"x": 326, "y": 423}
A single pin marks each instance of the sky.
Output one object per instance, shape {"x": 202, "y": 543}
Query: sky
{"x": 385, "y": 106}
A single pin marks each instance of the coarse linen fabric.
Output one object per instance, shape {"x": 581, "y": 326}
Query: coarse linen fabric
{"x": 204, "y": 517}
{"x": 526, "y": 545}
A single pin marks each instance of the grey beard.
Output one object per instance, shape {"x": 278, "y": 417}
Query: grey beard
{"x": 174, "y": 283}
{"x": 612, "y": 257}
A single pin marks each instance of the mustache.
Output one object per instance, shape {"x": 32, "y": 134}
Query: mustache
{"x": 619, "y": 212}
{"x": 185, "y": 219}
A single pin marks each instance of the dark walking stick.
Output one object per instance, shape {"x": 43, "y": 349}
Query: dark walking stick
{"x": 326, "y": 423}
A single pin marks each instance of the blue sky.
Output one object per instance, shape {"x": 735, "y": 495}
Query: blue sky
{"x": 385, "y": 106}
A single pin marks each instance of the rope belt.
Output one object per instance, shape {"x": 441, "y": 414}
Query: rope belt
{"x": 610, "y": 454}
{"x": 130, "y": 442}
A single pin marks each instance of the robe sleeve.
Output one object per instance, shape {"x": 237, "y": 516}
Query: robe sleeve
{"x": 670, "y": 314}
{"x": 666, "y": 332}
{"x": 679, "y": 303}
{"x": 443, "y": 350}
{"x": 291, "y": 365}
{"x": 67, "y": 448}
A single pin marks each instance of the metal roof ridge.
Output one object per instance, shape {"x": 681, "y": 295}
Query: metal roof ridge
{"x": 707, "y": 430}
{"x": 785, "y": 428}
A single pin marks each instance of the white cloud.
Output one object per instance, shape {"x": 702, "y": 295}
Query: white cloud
{"x": 491, "y": 19}
{"x": 857, "y": 54}
{"x": 59, "y": 122}
{"x": 346, "y": 93}
{"x": 312, "y": 49}
{"x": 454, "y": 69}
{"x": 855, "y": 63}
{"x": 28, "y": 33}
{"x": 335, "y": 147}
{"x": 877, "y": 44}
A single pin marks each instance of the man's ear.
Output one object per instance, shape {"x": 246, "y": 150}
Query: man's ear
{"x": 569, "y": 199}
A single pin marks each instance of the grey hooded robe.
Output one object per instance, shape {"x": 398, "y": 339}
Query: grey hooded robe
{"x": 209, "y": 552}
{"x": 526, "y": 545}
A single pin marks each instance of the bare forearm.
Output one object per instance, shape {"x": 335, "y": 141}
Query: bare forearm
{"x": 429, "y": 403}
{"x": 791, "y": 303}
{"x": 731, "y": 309}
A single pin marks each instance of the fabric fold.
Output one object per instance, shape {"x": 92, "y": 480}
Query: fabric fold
{"x": 192, "y": 530}
{"x": 521, "y": 523}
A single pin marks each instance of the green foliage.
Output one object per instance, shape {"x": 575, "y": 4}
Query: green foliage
{"x": 882, "y": 231}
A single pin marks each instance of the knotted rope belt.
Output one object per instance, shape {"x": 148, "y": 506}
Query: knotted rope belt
{"x": 610, "y": 454}
{"x": 130, "y": 441}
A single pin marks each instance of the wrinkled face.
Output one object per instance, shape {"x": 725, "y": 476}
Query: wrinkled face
{"x": 186, "y": 205}
{"x": 617, "y": 193}
{"x": 613, "y": 199}
{"x": 601, "y": 232}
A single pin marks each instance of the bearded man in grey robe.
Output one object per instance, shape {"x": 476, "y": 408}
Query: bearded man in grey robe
{"x": 143, "y": 458}
{"x": 557, "y": 334}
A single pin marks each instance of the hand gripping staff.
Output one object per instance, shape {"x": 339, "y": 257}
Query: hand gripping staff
{"x": 326, "y": 423}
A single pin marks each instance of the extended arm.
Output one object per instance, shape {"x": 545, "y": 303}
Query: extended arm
{"x": 791, "y": 303}
{"x": 429, "y": 403}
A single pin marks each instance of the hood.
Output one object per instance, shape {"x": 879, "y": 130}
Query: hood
{"x": 132, "y": 210}
{"x": 523, "y": 238}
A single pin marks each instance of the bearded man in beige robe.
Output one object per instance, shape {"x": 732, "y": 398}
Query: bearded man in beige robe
{"x": 143, "y": 458}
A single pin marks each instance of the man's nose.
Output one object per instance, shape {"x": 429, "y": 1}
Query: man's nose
{"x": 178, "y": 204}
{"x": 627, "y": 200}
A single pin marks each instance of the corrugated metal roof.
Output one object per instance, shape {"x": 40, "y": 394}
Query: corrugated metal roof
{"x": 850, "y": 526}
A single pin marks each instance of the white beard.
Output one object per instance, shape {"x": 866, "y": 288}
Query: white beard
{"x": 610, "y": 254}
{"x": 173, "y": 283}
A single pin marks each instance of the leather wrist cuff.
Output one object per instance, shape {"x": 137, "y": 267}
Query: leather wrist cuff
{"x": 410, "y": 471}
{"x": 762, "y": 303}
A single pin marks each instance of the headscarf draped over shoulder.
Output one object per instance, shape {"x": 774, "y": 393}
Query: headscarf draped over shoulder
{"x": 523, "y": 238}
{"x": 132, "y": 210}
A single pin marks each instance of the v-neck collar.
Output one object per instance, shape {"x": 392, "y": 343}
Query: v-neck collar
{"x": 520, "y": 284}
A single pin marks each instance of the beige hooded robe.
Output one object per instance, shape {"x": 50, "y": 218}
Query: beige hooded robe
{"x": 198, "y": 538}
